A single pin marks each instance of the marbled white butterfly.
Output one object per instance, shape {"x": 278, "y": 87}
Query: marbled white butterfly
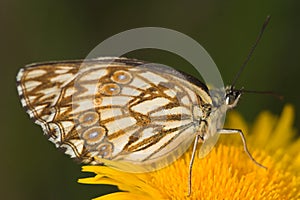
{"x": 124, "y": 113}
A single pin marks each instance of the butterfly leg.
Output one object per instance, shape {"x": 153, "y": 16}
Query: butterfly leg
{"x": 191, "y": 164}
{"x": 237, "y": 131}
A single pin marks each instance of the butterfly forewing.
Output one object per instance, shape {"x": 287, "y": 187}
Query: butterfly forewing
{"x": 118, "y": 111}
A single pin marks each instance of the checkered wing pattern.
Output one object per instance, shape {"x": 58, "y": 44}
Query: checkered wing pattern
{"x": 120, "y": 112}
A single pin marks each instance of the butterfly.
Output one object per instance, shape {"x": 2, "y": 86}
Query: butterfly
{"x": 124, "y": 113}
{"x": 121, "y": 112}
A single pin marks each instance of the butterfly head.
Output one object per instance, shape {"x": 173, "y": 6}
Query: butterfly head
{"x": 232, "y": 96}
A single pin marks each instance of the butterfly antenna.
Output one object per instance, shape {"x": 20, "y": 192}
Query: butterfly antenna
{"x": 274, "y": 94}
{"x": 251, "y": 51}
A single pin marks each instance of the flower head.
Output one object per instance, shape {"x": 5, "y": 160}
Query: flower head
{"x": 226, "y": 173}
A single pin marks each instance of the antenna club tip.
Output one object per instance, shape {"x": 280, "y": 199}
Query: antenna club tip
{"x": 267, "y": 21}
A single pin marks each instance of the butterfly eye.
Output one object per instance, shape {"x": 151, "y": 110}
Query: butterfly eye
{"x": 228, "y": 99}
{"x": 232, "y": 97}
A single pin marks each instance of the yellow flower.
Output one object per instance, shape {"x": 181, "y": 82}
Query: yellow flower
{"x": 226, "y": 173}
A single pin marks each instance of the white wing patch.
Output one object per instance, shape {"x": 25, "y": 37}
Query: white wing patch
{"x": 148, "y": 105}
{"x": 120, "y": 124}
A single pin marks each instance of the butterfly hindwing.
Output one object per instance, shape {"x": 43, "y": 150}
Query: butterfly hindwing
{"x": 114, "y": 109}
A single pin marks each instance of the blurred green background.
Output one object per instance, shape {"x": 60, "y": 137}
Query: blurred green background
{"x": 33, "y": 31}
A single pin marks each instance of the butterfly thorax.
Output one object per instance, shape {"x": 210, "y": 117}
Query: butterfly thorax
{"x": 222, "y": 100}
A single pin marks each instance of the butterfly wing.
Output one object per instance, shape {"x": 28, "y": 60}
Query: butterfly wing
{"x": 125, "y": 113}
